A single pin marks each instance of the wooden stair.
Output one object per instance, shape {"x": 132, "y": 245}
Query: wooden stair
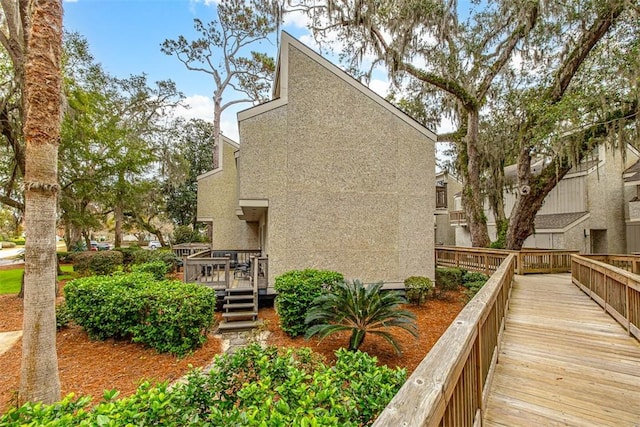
{"x": 240, "y": 309}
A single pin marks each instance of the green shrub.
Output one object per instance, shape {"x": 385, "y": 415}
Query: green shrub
{"x": 185, "y": 234}
{"x": 65, "y": 257}
{"x": 472, "y": 289}
{"x": 253, "y": 387}
{"x": 472, "y": 276}
{"x": 63, "y": 316}
{"x": 165, "y": 255}
{"x": 296, "y": 291}
{"x": 101, "y": 263}
{"x": 19, "y": 242}
{"x": 129, "y": 254}
{"x": 169, "y": 316}
{"x": 156, "y": 268}
{"x": 360, "y": 309}
{"x": 7, "y": 245}
{"x": 417, "y": 289}
{"x": 447, "y": 279}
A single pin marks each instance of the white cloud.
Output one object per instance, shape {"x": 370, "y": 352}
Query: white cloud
{"x": 70, "y": 1}
{"x": 297, "y": 19}
{"x": 379, "y": 86}
{"x": 201, "y": 107}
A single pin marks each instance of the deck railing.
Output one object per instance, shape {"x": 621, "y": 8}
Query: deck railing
{"x": 217, "y": 268}
{"x": 630, "y": 263}
{"x": 616, "y": 290}
{"x": 449, "y": 386}
{"x": 487, "y": 260}
{"x": 457, "y": 218}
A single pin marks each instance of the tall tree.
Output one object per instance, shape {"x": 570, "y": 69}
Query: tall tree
{"x": 220, "y": 52}
{"x": 564, "y": 116}
{"x": 188, "y": 159}
{"x": 39, "y": 380}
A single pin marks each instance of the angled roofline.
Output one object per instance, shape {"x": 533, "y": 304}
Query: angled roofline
{"x": 228, "y": 141}
{"x": 280, "y": 88}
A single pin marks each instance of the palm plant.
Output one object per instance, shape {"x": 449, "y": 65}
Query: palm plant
{"x": 360, "y": 309}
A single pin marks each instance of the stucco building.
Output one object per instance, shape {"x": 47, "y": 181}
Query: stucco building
{"x": 590, "y": 210}
{"x": 327, "y": 175}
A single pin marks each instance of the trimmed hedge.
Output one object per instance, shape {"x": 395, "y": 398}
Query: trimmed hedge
{"x": 296, "y": 291}
{"x": 417, "y": 289}
{"x": 253, "y": 387}
{"x": 100, "y": 263}
{"x": 136, "y": 255}
{"x": 170, "y": 316}
{"x": 157, "y": 269}
{"x": 447, "y": 279}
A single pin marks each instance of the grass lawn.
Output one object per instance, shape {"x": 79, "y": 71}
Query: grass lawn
{"x": 10, "y": 279}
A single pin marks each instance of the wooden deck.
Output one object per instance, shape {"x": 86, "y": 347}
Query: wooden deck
{"x": 563, "y": 361}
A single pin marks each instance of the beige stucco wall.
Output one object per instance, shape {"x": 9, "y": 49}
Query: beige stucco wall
{"x": 217, "y": 202}
{"x": 350, "y": 186}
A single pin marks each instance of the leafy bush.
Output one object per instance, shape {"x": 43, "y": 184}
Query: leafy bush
{"x": 359, "y": 309}
{"x": 185, "y": 234}
{"x": 157, "y": 269}
{"x": 169, "y": 316}
{"x": 129, "y": 254}
{"x": 472, "y": 276}
{"x": 296, "y": 291}
{"x": 101, "y": 263}
{"x": 253, "y": 387}
{"x": 472, "y": 289}
{"x": 65, "y": 257}
{"x": 19, "y": 242}
{"x": 417, "y": 288}
{"x": 63, "y": 316}
{"x": 447, "y": 279}
{"x": 165, "y": 255}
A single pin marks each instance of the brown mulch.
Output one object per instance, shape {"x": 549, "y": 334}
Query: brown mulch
{"x": 89, "y": 367}
{"x": 432, "y": 318}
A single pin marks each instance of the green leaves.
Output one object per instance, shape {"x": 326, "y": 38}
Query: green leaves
{"x": 253, "y": 387}
{"x": 169, "y": 316}
{"x": 296, "y": 291}
{"x": 360, "y": 309}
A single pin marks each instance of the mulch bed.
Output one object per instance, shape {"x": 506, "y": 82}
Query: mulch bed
{"x": 89, "y": 367}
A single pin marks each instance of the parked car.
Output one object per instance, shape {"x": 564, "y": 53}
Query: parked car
{"x": 94, "y": 245}
{"x": 154, "y": 244}
{"x": 104, "y": 246}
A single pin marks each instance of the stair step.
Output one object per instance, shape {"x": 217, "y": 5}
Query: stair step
{"x": 237, "y": 297}
{"x": 237, "y": 305}
{"x": 235, "y": 314}
{"x": 237, "y": 325}
{"x": 239, "y": 290}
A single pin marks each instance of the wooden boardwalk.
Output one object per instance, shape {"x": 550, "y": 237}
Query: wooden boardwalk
{"x": 563, "y": 361}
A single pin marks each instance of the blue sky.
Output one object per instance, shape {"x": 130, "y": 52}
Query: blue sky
{"x": 125, "y": 37}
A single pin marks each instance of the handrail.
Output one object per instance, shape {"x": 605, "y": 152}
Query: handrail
{"x": 630, "y": 263}
{"x": 449, "y": 386}
{"x": 487, "y": 260}
{"x": 616, "y": 290}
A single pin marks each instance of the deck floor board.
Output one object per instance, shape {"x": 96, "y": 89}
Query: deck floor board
{"x": 563, "y": 361}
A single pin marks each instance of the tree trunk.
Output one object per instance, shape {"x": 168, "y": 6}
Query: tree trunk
{"x": 472, "y": 195}
{"x": 39, "y": 380}
{"x": 217, "y": 112}
{"x": 118, "y": 216}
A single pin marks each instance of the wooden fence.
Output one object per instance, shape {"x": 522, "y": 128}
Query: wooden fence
{"x": 615, "y": 289}
{"x": 630, "y": 263}
{"x": 448, "y": 387}
{"x": 487, "y": 260}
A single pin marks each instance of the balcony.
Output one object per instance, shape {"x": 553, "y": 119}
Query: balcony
{"x": 457, "y": 218}
{"x": 634, "y": 210}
